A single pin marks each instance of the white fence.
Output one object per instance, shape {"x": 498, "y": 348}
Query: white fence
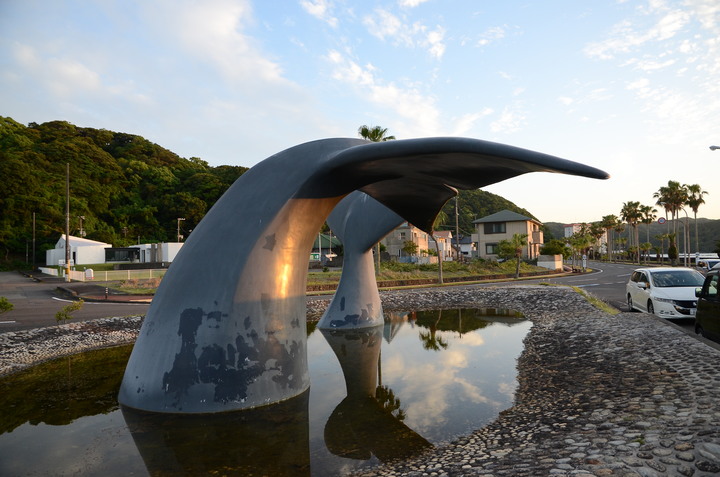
{"x": 107, "y": 275}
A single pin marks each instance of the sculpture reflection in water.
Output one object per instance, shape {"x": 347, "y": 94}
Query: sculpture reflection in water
{"x": 225, "y": 330}
{"x": 368, "y": 422}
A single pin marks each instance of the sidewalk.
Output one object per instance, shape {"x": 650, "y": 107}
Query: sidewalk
{"x": 99, "y": 293}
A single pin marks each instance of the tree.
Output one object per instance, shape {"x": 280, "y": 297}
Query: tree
{"x": 5, "y": 305}
{"x": 609, "y": 223}
{"x": 410, "y": 247}
{"x": 631, "y": 214}
{"x": 374, "y": 134}
{"x": 555, "y": 247}
{"x": 672, "y": 197}
{"x": 65, "y": 313}
{"x": 647, "y": 217}
{"x": 694, "y": 201}
{"x": 513, "y": 248}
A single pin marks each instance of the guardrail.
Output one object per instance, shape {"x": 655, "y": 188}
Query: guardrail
{"x": 108, "y": 275}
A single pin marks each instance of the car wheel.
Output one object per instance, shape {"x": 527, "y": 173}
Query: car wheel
{"x": 650, "y": 307}
{"x": 699, "y": 330}
{"x": 630, "y": 303}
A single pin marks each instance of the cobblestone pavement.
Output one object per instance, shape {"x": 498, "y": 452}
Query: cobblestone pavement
{"x": 598, "y": 394}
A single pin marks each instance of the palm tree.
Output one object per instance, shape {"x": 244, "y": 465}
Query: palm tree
{"x": 374, "y": 134}
{"x": 694, "y": 201}
{"x": 609, "y": 222}
{"x": 647, "y": 217}
{"x": 672, "y": 198}
{"x": 631, "y": 214}
{"x": 661, "y": 238}
{"x": 517, "y": 242}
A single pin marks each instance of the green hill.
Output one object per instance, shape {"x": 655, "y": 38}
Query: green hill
{"x": 126, "y": 188}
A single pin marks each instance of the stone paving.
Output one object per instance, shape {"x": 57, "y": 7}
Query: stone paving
{"x": 598, "y": 394}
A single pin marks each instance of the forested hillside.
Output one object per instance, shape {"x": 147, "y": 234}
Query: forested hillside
{"x": 124, "y": 186}
{"x": 476, "y": 204}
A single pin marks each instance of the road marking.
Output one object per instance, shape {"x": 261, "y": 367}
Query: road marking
{"x": 4, "y": 322}
{"x": 99, "y": 302}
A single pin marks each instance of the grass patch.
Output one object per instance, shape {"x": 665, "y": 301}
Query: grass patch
{"x": 593, "y": 300}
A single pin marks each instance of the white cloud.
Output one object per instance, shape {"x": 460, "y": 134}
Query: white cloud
{"x": 508, "y": 122}
{"x": 492, "y": 34}
{"x": 384, "y": 25}
{"x": 410, "y": 3}
{"x": 212, "y": 31}
{"x": 467, "y": 121}
{"x": 320, "y": 9}
{"x": 409, "y": 103}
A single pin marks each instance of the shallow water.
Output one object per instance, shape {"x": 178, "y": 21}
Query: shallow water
{"x": 391, "y": 391}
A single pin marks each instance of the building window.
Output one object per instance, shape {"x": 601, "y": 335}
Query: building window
{"x": 402, "y": 235}
{"x": 491, "y": 249}
{"x": 494, "y": 228}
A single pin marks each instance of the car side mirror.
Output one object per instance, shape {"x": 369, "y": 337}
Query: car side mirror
{"x": 698, "y": 292}
{"x": 643, "y": 285}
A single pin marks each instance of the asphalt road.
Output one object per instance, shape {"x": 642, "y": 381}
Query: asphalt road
{"x": 35, "y": 304}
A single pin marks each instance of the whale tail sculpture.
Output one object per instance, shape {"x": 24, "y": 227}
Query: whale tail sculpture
{"x": 360, "y": 222}
{"x": 225, "y": 330}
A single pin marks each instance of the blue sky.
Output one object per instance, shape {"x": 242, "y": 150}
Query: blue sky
{"x": 631, "y": 87}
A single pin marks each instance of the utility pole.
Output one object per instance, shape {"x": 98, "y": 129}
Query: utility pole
{"x": 33, "y": 242}
{"x": 67, "y": 222}
{"x": 457, "y": 230}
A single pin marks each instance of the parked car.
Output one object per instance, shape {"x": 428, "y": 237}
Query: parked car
{"x": 707, "y": 318}
{"x": 708, "y": 264}
{"x": 667, "y": 292}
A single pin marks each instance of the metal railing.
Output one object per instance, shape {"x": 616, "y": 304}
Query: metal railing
{"x": 108, "y": 275}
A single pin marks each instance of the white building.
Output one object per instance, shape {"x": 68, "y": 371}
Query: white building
{"x": 158, "y": 252}
{"x": 82, "y": 252}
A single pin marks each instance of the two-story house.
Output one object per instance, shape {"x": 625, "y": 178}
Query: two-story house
{"x": 503, "y": 225}
{"x": 395, "y": 242}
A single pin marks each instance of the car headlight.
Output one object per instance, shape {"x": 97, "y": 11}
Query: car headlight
{"x": 664, "y": 300}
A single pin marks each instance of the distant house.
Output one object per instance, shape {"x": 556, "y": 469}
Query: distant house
{"x": 395, "y": 241}
{"x": 503, "y": 225}
{"x": 444, "y": 243}
{"x": 323, "y": 246}
{"x": 163, "y": 252}
{"x": 82, "y": 252}
{"x": 468, "y": 247}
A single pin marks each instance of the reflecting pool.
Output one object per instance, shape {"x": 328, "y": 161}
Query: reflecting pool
{"x": 382, "y": 393}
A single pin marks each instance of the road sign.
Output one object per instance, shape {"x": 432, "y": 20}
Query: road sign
{"x": 661, "y": 220}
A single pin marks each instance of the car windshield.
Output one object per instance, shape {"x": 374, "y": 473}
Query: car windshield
{"x": 677, "y": 278}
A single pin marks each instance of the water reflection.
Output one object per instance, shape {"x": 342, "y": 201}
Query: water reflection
{"x": 377, "y": 394}
{"x": 367, "y": 422}
{"x": 272, "y": 440}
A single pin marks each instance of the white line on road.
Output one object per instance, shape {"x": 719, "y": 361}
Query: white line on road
{"x": 3, "y": 322}
{"x": 99, "y": 302}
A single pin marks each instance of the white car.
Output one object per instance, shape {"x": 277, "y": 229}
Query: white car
{"x": 667, "y": 292}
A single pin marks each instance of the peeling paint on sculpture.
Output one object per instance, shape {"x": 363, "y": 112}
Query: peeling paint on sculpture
{"x": 226, "y": 329}
{"x": 360, "y": 222}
